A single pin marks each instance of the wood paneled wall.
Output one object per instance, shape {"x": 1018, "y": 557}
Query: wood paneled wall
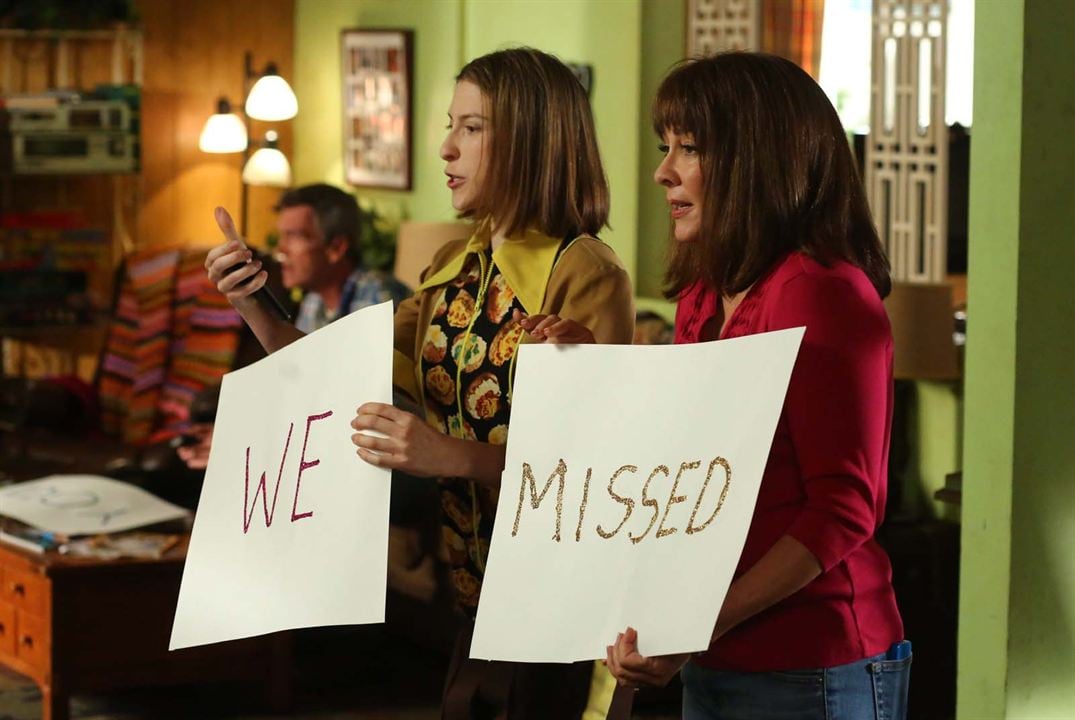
{"x": 194, "y": 54}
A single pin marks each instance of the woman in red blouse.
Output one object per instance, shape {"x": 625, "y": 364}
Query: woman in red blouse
{"x": 773, "y": 231}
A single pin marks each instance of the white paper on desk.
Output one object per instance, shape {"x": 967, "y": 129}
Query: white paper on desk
{"x": 311, "y": 547}
{"x": 646, "y": 413}
{"x": 84, "y": 505}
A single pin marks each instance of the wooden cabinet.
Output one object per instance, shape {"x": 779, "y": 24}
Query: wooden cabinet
{"x": 74, "y": 624}
{"x": 32, "y": 639}
{"x": 7, "y": 630}
{"x": 26, "y": 591}
{"x": 24, "y": 613}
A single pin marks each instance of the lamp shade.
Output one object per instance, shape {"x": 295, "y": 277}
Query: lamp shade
{"x": 268, "y": 166}
{"x": 271, "y": 99}
{"x": 224, "y": 132}
{"x": 923, "y": 323}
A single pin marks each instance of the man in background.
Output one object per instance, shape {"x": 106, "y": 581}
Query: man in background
{"x": 319, "y": 253}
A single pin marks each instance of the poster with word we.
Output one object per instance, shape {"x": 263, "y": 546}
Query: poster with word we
{"x": 291, "y": 529}
{"x": 629, "y": 485}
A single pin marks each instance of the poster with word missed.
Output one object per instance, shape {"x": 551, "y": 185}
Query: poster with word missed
{"x": 84, "y": 505}
{"x": 628, "y": 489}
{"x": 291, "y": 529}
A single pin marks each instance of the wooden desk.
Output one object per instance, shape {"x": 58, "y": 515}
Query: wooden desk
{"x": 74, "y": 624}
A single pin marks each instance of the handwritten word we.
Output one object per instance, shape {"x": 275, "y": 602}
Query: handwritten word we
{"x": 304, "y": 465}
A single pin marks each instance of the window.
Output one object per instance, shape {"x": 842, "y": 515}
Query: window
{"x": 845, "y": 61}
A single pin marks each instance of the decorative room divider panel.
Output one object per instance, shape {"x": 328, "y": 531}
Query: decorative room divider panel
{"x": 907, "y": 149}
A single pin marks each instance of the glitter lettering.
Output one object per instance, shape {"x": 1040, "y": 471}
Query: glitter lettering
{"x": 535, "y": 499}
{"x": 628, "y": 502}
{"x": 673, "y": 499}
{"x": 691, "y": 529}
{"x": 621, "y": 490}
{"x": 650, "y": 502}
{"x": 582, "y": 505}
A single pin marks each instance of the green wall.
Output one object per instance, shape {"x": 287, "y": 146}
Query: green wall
{"x": 318, "y": 126}
{"x": 990, "y": 367}
{"x": 664, "y": 36}
{"x": 1017, "y": 605}
{"x": 1041, "y": 669}
{"x": 604, "y": 34}
{"x": 607, "y": 34}
{"x": 935, "y": 440}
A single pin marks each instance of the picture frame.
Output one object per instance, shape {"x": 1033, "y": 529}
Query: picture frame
{"x": 377, "y": 70}
{"x": 584, "y": 73}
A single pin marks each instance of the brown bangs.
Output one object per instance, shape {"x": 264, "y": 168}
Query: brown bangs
{"x": 545, "y": 170}
{"x": 674, "y": 107}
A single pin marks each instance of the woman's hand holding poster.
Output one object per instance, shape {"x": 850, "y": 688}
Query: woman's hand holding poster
{"x": 292, "y": 526}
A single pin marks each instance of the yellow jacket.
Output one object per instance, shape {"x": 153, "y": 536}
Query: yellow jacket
{"x": 586, "y": 283}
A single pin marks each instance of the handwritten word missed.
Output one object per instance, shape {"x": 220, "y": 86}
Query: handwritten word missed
{"x": 660, "y": 473}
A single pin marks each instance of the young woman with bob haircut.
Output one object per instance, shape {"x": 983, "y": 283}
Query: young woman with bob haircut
{"x": 772, "y": 231}
{"x": 522, "y": 165}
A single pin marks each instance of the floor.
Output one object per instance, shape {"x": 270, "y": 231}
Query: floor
{"x": 386, "y": 680}
{"x": 356, "y": 673}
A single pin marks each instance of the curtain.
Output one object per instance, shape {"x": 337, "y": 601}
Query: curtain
{"x": 792, "y": 29}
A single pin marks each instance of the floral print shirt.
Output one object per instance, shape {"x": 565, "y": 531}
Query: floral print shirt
{"x": 467, "y": 363}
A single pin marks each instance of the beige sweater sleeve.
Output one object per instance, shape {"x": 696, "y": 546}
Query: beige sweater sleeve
{"x": 590, "y": 286}
{"x": 403, "y": 359}
{"x": 411, "y": 317}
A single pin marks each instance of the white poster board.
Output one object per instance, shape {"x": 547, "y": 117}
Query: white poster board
{"x": 628, "y": 503}
{"x": 292, "y": 526}
{"x": 84, "y": 505}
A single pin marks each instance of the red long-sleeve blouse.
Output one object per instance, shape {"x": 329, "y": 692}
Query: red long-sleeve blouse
{"x": 826, "y": 478}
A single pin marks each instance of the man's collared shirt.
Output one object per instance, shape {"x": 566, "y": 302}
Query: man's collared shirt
{"x": 361, "y": 289}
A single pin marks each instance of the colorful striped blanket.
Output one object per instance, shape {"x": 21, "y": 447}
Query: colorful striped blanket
{"x": 172, "y": 335}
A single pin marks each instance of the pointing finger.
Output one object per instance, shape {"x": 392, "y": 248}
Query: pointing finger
{"x": 226, "y": 225}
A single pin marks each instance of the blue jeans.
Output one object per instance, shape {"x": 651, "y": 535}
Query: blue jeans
{"x": 870, "y": 689}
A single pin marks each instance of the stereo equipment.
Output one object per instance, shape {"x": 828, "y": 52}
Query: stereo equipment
{"x": 47, "y": 135}
{"x": 70, "y": 151}
{"x": 100, "y": 115}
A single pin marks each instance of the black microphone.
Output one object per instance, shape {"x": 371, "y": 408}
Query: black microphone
{"x": 262, "y": 295}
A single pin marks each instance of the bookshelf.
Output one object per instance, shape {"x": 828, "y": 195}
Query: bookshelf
{"x": 59, "y": 220}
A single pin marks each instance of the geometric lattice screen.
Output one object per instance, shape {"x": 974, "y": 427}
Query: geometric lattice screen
{"x": 907, "y": 148}
{"x": 716, "y": 25}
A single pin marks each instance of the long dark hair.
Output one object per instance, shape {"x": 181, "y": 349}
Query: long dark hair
{"x": 545, "y": 168}
{"x": 778, "y": 172}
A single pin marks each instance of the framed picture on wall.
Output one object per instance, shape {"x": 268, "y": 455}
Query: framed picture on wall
{"x": 377, "y": 71}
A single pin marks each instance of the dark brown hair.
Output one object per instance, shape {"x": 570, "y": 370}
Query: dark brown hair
{"x": 545, "y": 170}
{"x": 337, "y": 214}
{"x": 777, "y": 170}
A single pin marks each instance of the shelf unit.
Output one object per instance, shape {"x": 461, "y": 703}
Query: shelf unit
{"x": 33, "y": 61}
